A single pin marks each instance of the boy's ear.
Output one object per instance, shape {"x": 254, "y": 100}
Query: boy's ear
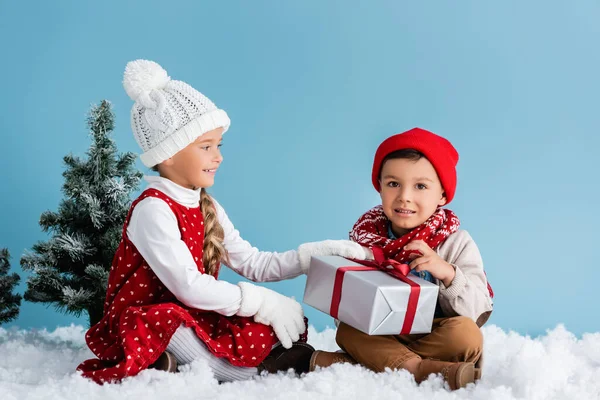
{"x": 443, "y": 200}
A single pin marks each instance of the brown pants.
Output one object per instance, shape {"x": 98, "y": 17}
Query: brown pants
{"x": 451, "y": 339}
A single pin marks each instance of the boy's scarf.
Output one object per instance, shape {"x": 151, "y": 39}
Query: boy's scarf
{"x": 371, "y": 230}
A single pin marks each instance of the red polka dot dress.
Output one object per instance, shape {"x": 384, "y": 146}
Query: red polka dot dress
{"x": 141, "y": 314}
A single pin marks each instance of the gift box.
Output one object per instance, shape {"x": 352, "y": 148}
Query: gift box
{"x": 370, "y": 299}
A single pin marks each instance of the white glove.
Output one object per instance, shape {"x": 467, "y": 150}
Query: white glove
{"x": 283, "y": 314}
{"x": 343, "y": 248}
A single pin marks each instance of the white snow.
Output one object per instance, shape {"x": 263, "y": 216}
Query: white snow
{"x": 41, "y": 364}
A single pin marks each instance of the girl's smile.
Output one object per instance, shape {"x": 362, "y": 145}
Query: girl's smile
{"x": 196, "y": 165}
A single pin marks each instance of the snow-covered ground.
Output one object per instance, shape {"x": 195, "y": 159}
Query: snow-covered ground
{"x": 40, "y": 365}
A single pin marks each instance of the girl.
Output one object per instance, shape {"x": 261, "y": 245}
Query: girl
{"x": 164, "y": 303}
{"x": 415, "y": 174}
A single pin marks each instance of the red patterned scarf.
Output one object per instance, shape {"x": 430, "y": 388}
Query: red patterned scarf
{"x": 372, "y": 230}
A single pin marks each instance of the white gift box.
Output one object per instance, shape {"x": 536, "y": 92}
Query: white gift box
{"x": 371, "y": 301}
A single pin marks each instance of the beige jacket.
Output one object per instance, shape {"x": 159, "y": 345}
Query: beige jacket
{"x": 468, "y": 294}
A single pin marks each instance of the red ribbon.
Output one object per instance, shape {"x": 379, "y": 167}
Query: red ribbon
{"x": 392, "y": 267}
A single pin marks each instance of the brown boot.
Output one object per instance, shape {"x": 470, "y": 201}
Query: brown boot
{"x": 477, "y": 374}
{"x": 165, "y": 362}
{"x": 457, "y": 374}
{"x": 326, "y": 359}
{"x": 282, "y": 359}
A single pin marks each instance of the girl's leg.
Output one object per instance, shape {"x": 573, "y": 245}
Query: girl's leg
{"x": 186, "y": 347}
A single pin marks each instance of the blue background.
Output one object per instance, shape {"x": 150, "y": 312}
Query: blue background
{"x": 312, "y": 88}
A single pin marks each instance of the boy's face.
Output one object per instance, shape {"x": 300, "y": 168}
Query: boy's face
{"x": 410, "y": 193}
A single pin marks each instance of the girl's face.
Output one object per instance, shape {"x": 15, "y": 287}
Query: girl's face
{"x": 195, "y": 166}
{"x": 410, "y": 193}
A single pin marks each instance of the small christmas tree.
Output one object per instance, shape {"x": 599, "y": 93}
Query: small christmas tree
{"x": 9, "y": 302}
{"x": 71, "y": 269}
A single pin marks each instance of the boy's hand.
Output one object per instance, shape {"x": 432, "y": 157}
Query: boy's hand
{"x": 430, "y": 261}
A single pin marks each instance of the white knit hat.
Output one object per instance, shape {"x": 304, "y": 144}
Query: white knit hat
{"x": 167, "y": 115}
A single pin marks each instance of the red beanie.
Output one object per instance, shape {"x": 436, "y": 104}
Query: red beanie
{"x": 439, "y": 151}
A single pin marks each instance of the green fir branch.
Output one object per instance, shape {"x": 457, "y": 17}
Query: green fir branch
{"x": 70, "y": 269}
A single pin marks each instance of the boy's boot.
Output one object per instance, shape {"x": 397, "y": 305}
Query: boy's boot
{"x": 325, "y": 359}
{"x": 457, "y": 374}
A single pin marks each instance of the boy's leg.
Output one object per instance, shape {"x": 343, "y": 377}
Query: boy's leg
{"x": 374, "y": 352}
{"x": 456, "y": 339}
{"x": 379, "y": 352}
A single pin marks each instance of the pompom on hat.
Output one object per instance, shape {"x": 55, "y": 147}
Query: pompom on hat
{"x": 438, "y": 150}
{"x": 167, "y": 114}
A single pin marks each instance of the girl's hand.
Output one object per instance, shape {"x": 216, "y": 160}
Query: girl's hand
{"x": 283, "y": 314}
{"x": 430, "y": 261}
{"x": 343, "y": 248}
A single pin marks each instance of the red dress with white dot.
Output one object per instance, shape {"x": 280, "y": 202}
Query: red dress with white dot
{"x": 141, "y": 314}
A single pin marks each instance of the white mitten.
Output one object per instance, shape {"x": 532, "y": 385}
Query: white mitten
{"x": 343, "y": 248}
{"x": 283, "y": 314}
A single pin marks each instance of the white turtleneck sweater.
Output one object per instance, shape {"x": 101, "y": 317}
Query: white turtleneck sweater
{"x": 154, "y": 231}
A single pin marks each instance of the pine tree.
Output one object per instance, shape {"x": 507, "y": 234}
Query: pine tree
{"x": 9, "y": 302}
{"x": 70, "y": 270}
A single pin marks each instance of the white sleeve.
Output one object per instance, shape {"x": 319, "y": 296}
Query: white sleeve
{"x": 248, "y": 261}
{"x": 154, "y": 231}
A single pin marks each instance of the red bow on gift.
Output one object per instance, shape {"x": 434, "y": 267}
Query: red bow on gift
{"x": 391, "y": 267}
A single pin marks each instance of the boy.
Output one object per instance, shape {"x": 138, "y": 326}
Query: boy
{"x": 415, "y": 175}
